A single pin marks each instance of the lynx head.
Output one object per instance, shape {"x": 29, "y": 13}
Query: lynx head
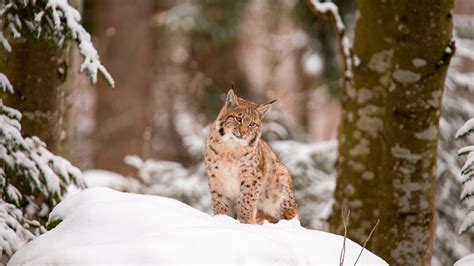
{"x": 240, "y": 121}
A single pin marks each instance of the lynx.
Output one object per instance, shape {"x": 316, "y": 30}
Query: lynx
{"x": 246, "y": 179}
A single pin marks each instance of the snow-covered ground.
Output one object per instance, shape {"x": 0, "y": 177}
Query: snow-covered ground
{"x": 465, "y": 261}
{"x": 101, "y": 225}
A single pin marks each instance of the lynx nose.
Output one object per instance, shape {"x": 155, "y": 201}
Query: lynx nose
{"x": 243, "y": 131}
{"x": 237, "y": 134}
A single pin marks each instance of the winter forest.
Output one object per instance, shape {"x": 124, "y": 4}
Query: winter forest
{"x": 116, "y": 117}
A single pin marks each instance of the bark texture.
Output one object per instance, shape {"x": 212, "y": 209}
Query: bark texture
{"x": 43, "y": 76}
{"x": 389, "y": 132}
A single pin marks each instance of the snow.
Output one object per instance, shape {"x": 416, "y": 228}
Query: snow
{"x": 466, "y": 150}
{"x": 103, "y": 178}
{"x": 313, "y": 64}
{"x": 468, "y": 189}
{"x": 43, "y": 171}
{"x": 60, "y": 9}
{"x": 456, "y": 107}
{"x": 55, "y": 19}
{"x": 5, "y": 83}
{"x": 467, "y": 194}
{"x": 100, "y": 225}
{"x": 14, "y": 232}
{"x": 465, "y": 51}
{"x": 467, "y": 223}
{"x": 5, "y": 43}
{"x": 465, "y": 261}
{"x": 467, "y": 128}
{"x": 468, "y": 164}
{"x": 356, "y": 61}
{"x": 330, "y": 11}
{"x": 329, "y": 7}
{"x": 172, "y": 179}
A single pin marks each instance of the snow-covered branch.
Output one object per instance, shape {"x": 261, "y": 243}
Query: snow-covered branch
{"x": 26, "y": 163}
{"x": 32, "y": 182}
{"x": 14, "y": 230}
{"x": 55, "y": 20}
{"x": 329, "y": 10}
{"x": 467, "y": 176}
{"x": 5, "y": 84}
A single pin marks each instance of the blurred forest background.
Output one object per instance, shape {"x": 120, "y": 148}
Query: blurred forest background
{"x": 175, "y": 58}
{"x": 173, "y": 62}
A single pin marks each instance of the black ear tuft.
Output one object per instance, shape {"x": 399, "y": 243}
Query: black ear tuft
{"x": 263, "y": 108}
{"x": 231, "y": 100}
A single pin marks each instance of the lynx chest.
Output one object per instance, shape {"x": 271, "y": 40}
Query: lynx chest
{"x": 228, "y": 173}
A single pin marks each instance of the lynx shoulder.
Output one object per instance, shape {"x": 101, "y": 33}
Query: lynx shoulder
{"x": 246, "y": 179}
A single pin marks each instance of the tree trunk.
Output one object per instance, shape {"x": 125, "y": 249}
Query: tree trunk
{"x": 124, "y": 41}
{"x": 389, "y": 133}
{"x": 43, "y": 76}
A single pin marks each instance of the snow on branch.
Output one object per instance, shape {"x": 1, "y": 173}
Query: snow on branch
{"x": 466, "y": 129}
{"x": 14, "y": 230}
{"x": 51, "y": 19}
{"x": 329, "y": 10}
{"x": 26, "y": 163}
{"x": 32, "y": 182}
{"x": 467, "y": 176}
{"x": 5, "y": 84}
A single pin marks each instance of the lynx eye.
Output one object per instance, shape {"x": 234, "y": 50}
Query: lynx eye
{"x": 238, "y": 119}
{"x": 252, "y": 124}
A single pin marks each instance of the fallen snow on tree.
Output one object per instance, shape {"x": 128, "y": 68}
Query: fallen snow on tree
{"x": 51, "y": 19}
{"x": 101, "y": 225}
{"x": 14, "y": 230}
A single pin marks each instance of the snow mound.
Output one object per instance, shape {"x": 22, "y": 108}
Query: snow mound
{"x": 465, "y": 261}
{"x": 101, "y": 225}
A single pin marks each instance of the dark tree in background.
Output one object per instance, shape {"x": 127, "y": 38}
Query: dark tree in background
{"x": 389, "y": 135}
{"x": 124, "y": 39}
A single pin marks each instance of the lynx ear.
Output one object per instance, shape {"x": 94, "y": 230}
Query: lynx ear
{"x": 263, "y": 108}
{"x": 231, "y": 100}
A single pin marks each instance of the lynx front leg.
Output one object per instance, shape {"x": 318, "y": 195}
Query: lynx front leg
{"x": 248, "y": 197}
{"x": 221, "y": 204}
{"x": 289, "y": 206}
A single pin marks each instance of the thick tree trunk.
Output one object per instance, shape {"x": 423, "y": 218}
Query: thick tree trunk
{"x": 389, "y": 133}
{"x": 43, "y": 76}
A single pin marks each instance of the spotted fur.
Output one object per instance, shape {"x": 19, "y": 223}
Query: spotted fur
{"x": 246, "y": 179}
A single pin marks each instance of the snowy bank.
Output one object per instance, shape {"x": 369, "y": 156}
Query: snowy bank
{"x": 101, "y": 225}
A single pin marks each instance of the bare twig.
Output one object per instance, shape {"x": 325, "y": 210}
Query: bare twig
{"x": 367, "y": 240}
{"x": 345, "y": 222}
{"x": 329, "y": 11}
